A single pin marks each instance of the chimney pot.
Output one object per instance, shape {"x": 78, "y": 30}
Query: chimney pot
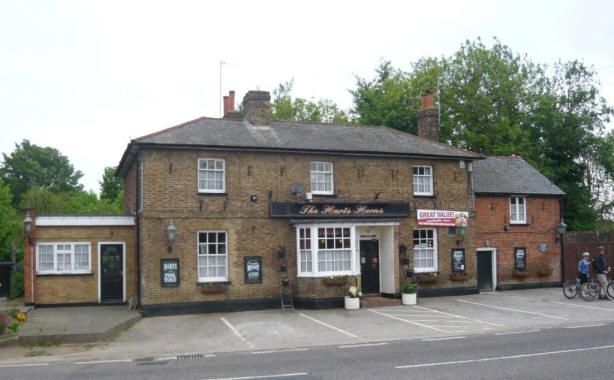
{"x": 428, "y": 100}
{"x": 257, "y": 107}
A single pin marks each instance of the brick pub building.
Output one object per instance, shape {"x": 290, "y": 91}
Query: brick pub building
{"x": 225, "y": 214}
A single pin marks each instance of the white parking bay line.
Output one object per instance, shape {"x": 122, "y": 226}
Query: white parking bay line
{"x": 514, "y": 310}
{"x": 411, "y": 322}
{"x": 583, "y": 326}
{"x": 583, "y": 306}
{"x": 330, "y": 326}
{"x": 517, "y": 332}
{"x": 106, "y": 361}
{"x": 236, "y": 332}
{"x": 504, "y": 357}
{"x": 22, "y": 365}
{"x": 363, "y": 345}
{"x": 262, "y": 376}
{"x": 446, "y": 338}
{"x": 460, "y": 316}
{"x": 278, "y": 351}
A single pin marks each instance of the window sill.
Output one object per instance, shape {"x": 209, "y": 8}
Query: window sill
{"x": 210, "y": 193}
{"x": 63, "y": 274}
{"x": 424, "y": 195}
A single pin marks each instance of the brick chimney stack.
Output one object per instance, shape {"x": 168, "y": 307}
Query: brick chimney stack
{"x": 257, "y": 107}
{"x": 229, "y": 106}
{"x": 428, "y": 118}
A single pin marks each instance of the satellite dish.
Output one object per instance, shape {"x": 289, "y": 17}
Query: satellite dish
{"x": 296, "y": 187}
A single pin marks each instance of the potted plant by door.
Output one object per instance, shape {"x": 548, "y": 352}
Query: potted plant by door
{"x": 352, "y": 300}
{"x": 409, "y": 296}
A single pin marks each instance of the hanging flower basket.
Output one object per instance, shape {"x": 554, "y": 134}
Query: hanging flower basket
{"x": 545, "y": 270}
{"x": 334, "y": 281}
{"x": 213, "y": 288}
{"x": 520, "y": 273}
{"x": 459, "y": 276}
{"x": 427, "y": 278}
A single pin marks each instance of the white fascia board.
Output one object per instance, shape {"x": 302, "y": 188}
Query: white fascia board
{"x": 102, "y": 220}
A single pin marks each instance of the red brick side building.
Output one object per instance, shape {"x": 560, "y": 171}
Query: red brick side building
{"x": 517, "y": 216}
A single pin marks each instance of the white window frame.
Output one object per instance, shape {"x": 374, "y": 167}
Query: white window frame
{"x": 315, "y": 272}
{"x": 414, "y": 176}
{"x": 223, "y": 170}
{"x": 517, "y": 209}
{"x": 332, "y": 177}
{"x": 72, "y": 269}
{"x": 205, "y": 278}
{"x": 435, "y": 266}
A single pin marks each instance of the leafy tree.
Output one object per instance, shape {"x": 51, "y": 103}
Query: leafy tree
{"x": 78, "y": 202}
{"x": 284, "y": 107}
{"x": 10, "y": 223}
{"x": 111, "y": 186}
{"x": 31, "y": 165}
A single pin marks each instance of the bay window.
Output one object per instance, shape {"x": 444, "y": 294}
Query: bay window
{"x": 325, "y": 250}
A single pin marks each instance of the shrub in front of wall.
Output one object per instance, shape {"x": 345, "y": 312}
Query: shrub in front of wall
{"x": 2, "y": 326}
{"x": 17, "y": 282}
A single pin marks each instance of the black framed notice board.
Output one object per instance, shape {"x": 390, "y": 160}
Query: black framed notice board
{"x": 169, "y": 273}
{"x": 458, "y": 259}
{"x": 253, "y": 269}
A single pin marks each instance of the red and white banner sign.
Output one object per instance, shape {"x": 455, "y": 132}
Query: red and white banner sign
{"x": 442, "y": 218}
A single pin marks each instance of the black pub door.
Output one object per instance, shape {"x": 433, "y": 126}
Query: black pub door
{"x": 485, "y": 270}
{"x": 111, "y": 272}
{"x": 369, "y": 266}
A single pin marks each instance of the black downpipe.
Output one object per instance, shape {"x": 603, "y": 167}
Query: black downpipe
{"x": 138, "y": 229}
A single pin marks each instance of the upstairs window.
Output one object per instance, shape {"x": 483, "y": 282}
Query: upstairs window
{"x": 423, "y": 180}
{"x": 63, "y": 258}
{"x": 211, "y": 175}
{"x": 322, "y": 178}
{"x": 518, "y": 210}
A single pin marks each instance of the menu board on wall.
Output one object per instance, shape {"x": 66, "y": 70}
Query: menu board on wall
{"x": 520, "y": 258}
{"x": 253, "y": 269}
{"x": 458, "y": 259}
{"x": 169, "y": 273}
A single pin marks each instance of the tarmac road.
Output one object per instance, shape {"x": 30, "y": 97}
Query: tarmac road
{"x": 570, "y": 352}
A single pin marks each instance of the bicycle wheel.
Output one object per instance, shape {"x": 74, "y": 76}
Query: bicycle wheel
{"x": 610, "y": 289}
{"x": 569, "y": 289}
{"x": 589, "y": 292}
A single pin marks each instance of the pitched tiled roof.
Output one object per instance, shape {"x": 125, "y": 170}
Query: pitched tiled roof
{"x": 299, "y": 136}
{"x": 510, "y": 175}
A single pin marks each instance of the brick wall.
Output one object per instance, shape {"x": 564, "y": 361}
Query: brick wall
{"x": 130, "y": 189}
{"x": 170, "y": 193}
{"x": 51, "y": 289}
{"x": 543, "y": 216}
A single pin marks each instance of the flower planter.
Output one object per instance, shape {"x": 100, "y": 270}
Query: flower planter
{"x": 218, "y": 289}
{"x": 544, "y": 271}
{"x": 409, "y": 298}
{"x": 519, "y": 273}
{"x": 459, "y": 276}
{"x": 426, "y": 279}
{"x": 334, "y": 281}
{"x": 352, "y": 303}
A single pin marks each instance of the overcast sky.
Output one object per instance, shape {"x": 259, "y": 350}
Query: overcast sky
{"x": 85, "y": 77}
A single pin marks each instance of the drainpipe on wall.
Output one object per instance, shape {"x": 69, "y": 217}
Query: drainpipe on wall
{"x": 138, "y": 228}
{"x": 561, "y": 242}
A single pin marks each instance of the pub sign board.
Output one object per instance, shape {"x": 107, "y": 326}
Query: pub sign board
{"x": 458, "y": 259}
{"x": 339, "y": 210}
{"x": 169, "y": 273}
{"x": 253, "y": 269}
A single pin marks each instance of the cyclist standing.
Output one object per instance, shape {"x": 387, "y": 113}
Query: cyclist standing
{"x": 584, "y": 268}
{"x": 601, "y": 267}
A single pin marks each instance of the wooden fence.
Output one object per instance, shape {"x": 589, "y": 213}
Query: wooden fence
{"x": 572, "y": 253}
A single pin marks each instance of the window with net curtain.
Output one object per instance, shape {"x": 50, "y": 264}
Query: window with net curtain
{"x": 212, "y": 256}
{"x": 423, "y": 180}
{"x": 425, "y": 250}
{"x": 322, "y": 177}
{"x": 211, "y": 175}
{"x": 325, "y": 250}
{"x": 63, "y": 258}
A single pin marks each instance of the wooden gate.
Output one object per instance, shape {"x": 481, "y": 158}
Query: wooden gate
{"x": 572, "y": 253}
